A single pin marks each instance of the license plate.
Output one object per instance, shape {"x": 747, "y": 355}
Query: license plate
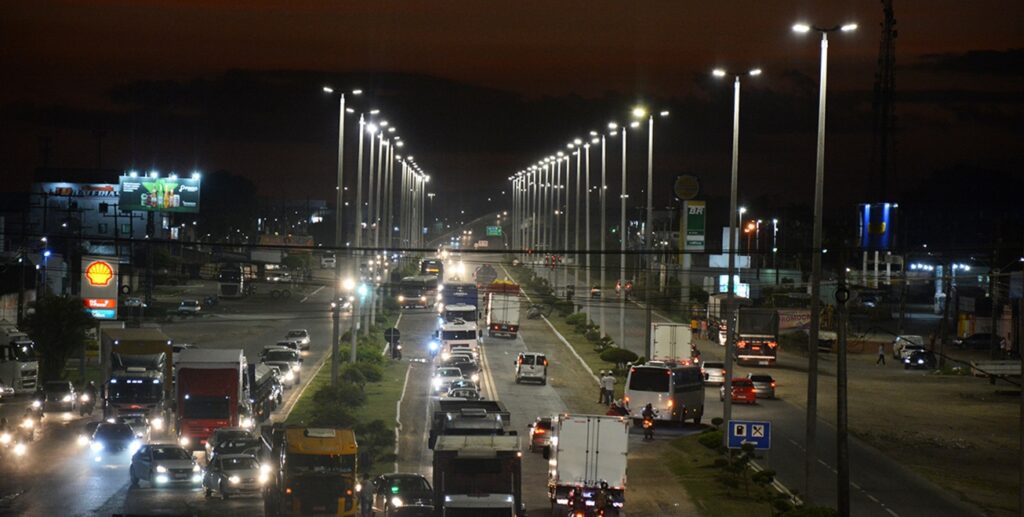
{"x": 180, "y": 476}
{"x": 321, "y": 508}
{"x": 763, "y": 363}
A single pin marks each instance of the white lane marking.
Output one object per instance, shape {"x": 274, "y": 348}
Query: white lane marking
{"x": 890, "y": 512}
{"x": 872, "y": 498}
{"x": 398, "y": 411}
{"x": 855, "y": 485}
{"x": 290, "y": 404}
{"x": 317, "y": 290}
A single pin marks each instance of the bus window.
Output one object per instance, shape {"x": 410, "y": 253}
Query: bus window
{"x": 649, "y": 379}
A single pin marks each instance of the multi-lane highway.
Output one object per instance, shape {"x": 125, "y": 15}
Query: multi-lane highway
{"x": 58, "y": 477}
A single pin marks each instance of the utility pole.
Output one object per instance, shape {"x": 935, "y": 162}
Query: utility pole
{"x": 842, "y": 408}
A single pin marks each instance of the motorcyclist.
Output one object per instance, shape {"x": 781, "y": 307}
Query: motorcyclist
{"x": 602, "y": 498}
{"x": 648, "y": 416}
{"x": 576, "y": 501}
{"x": 89, "y": 398}
{"x": 27, "y": 429}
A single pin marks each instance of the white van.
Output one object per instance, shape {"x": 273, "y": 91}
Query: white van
{"x": 675, "y": 392}
{"x": 531, "y": 366}
{"x": 328, "y": 261}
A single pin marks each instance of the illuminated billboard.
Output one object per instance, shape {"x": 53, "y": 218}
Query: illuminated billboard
{"x": 99, "y": 287}
{"x": 877, "y": 226}
{"x": 169, "y": 194}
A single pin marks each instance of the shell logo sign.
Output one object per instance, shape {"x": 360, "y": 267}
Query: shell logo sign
{"x": 99, "y": 273}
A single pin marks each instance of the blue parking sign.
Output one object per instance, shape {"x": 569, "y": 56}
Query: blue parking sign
{"x": 746, "y": 431}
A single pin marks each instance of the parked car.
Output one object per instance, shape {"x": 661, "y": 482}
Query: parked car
{"x": 714, "y": 372}
{"x": 402, "y": 494}
{"x": 742, "y": 391}
{"x": 531, "y": 366}
{"x": 764, "y": 385}
{"x": 979, "y": 341}
{"x": 923, "y": 359}
{"x": 233, "y": 474}
{"x": 134, "y": 302}
{"x": 901, "y": 342}
{"x": 540, "y": 433}
{"x": 299, "y": 335}
{"x": 189, "y": 308}
{"x": 164, "y": 464}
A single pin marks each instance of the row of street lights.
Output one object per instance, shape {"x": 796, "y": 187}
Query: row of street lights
{"x": 383, "y": 155}
{"x": 533, "y": 215}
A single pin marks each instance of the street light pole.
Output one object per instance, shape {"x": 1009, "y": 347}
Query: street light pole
{"x": 730, "y": 297}
{"x": 624, "y": 196}
{"x": 338, "y": 220}
{"x": 586, "y": 240}
{"x": 815, "y": 323}
{"x": 576, "y": 214}
{"x": 604, "y": 232}
{"x": 565, "y": 226}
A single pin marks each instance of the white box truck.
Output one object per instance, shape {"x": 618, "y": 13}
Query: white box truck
{"x": 671, "y": 343}
{"x": 503, "y": 309}
{"x": 586, "y": 450}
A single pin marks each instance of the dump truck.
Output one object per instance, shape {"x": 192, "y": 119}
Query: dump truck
{"x": 478, "y": 476}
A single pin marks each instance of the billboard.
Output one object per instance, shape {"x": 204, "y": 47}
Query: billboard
{"x": 877, "y": 226}
{"x": 494, "y": 231}
{"x": 99, "y": 287}
{"x": 694, "y": 217}
{"x": 159, "y": 194}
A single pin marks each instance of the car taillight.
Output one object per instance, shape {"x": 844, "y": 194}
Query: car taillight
{"x": 670, "y": 403}
{"x": 773, "y": 384}
{"x": 772, "y": 344}
{"x": 626, "y": 398}
{"x": 741, "y": 344}
{"x": 538, "y": 431}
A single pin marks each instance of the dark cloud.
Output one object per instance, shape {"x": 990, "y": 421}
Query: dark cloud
{"x": 1002, "y": 63}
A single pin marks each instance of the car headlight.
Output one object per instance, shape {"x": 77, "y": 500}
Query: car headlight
{"x": 436, "y": 383}
{"x": 423, "y": 298}
{"x": 401, "y": 298}
{"x": 96, "y": 446}
{"x": 85, "y": 397}
{"x": 290, "y": 376}
{"x": 445, "y": 356}
{"x": 161, "y": 478}
{"x": 28, "y": 423}
{"x": 5, "y": 438}
{"x": 295, "y": 367}
{"x": 433, "y": 346}
{"x": 920, "y": 361}
{"x": 475, "y": 378}
{"x": 396, "y": 502}
{"x": 195, "y": 468}
{"x": 161, "y": 469}
{"x": 263, "y": 477}
{"x": 20, "y": 449}
{"x": 234, "y": 480}
{"x": 82, "y": 440}
{"x": 134, "y": 446}
{"x": 67, "y": 398}
{"x": 359, "y": 487}
{"x": 184, "y": 441}
{"x": 158, "y": 423}
{"x": 37, "y": 404}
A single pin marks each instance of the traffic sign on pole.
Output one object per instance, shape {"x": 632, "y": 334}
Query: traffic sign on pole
{"x": 744, "y": 431}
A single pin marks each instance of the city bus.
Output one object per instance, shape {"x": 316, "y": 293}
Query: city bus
{"x": 418, "y": 291}
{"x": 676, "y": 392}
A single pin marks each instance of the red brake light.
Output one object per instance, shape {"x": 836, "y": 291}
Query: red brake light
{"x": 772, "y": 344}
{"x": 773, "y": 384}
{"x": 670, "y": 403}
{"x": 741, "y": 344}
{"x": 537, "y": 430}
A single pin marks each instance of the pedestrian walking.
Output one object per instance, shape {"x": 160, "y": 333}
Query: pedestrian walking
{"x": 366, "y": 497}
{"x": 600, "y": 388}
{"x": 608, "y": 386}
{"x": 881, "y": 355}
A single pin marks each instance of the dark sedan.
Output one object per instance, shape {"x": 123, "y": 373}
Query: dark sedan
{"x": 402, "y": 495}
{"x": 924, "y": 359}
{"x": 979, "y": 341}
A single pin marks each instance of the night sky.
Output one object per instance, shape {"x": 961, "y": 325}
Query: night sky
{"x": 481, "y": 89}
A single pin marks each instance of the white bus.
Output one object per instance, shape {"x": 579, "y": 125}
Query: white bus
{"x": 675, "y": 391}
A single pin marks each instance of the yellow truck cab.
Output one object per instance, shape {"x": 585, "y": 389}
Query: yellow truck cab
{"x": 316, "y": 472}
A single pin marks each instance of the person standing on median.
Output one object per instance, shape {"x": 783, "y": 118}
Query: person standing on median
{"x": 608, "y": 386}
{"x": 881, "y": 355}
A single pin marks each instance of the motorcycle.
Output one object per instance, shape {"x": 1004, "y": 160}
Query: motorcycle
{"x": 27, "y": 429}
{"x": 86, "y": 404}
{"x": 648, "y": 428}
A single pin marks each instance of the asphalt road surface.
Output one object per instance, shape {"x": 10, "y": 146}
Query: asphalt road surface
{"x": 879, "y": 485}
{"x": 58, "y": 477}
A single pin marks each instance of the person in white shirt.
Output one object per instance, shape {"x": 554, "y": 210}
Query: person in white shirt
{"x": 608, "y": 385}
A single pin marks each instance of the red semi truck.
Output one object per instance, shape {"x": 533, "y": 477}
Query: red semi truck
{"x": 212, "y": 392}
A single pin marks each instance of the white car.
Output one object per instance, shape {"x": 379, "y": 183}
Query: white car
{"x": 531, "y": 366}
{"x": 189, "y": 308}
{"x": 299, "y": 335}
{"x": 714, "y": 372}
{"x": 443, "y": 377}
{"x": 164, "y": 464}
{"x": 906, "y": 344}
{"x": 286, "y": 360}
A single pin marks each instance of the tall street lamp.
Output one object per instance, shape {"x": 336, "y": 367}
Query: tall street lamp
{"x": 730, "y": 340}
{"x": 640, "y": 112}
{"x": 576, "y": 232}
{"x": 623, "y": 196}
{"x": 819, "y": 180}
{"x": 338, "y": 240}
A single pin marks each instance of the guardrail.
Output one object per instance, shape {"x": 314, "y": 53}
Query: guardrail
{"x": 996, "y": 369}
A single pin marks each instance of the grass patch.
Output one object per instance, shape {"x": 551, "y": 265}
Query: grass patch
{"x": 693, "y": 466}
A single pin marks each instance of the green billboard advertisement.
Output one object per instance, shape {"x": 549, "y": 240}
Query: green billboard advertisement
{"x": 159, "y": 194}
{"x": 693, "y": 225}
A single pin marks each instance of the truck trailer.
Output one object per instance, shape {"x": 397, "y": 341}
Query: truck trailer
{"x": 503, "y": 309}
{"x": 585, "y": 451}
{"x": 671, "y": 343}
{"x": 212, "y": 392}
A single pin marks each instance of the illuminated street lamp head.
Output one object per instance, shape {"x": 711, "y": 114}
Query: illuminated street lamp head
{"x": 801, "y": 28}
{"x": 357, "y": 91}
{"x": 743, "y": 209}
{"x": 639, "y": 112}
{"x": 664, "y": 113}
{"x": 577, "y": 141}
{"x": 374, "y": 111}
{"x": 371, "y": 128}
{"x": 634, "y": 124}
{"x": 383, "y": 123}
{"x": 849, "y": 27}
{"x": 348, "y": 284}
{"x": 328, "y": 89}
{"x": 718, "y": 72}
{"x": 400, "y": 143}
{"x": 560, "y": 154}
{"x": 593, "y": 133}
{"x": 613, "y": 125}
{"x": 392, "y": 129}
{"x": 595, "y": 140}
